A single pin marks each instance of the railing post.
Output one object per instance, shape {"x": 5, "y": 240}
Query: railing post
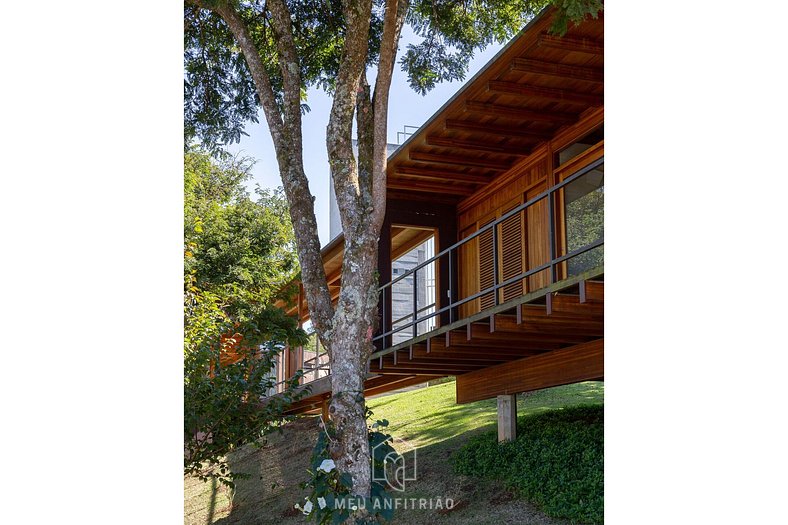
{"x": 383, "y": 323}
{"x": 451, "y": 299}
{"x": 495, "y": 261}
{"x": 415, "y": 303}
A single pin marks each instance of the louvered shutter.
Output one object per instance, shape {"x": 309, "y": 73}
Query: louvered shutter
{"x": 512, "y": 256}
{"x": 486, "y": 277}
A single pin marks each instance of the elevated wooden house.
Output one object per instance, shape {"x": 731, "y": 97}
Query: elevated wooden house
{"x": 500, "y": 196}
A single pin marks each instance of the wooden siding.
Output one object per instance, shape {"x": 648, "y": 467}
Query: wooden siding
{"x": 523, "y": 182}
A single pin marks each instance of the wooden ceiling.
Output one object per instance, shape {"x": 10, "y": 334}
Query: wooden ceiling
{"x": 538, "y": 84}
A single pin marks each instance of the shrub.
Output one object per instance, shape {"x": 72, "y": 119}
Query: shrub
{"x": 556, "y": 462}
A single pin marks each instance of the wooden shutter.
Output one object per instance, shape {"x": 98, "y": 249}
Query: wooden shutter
{"x": 486, "y": 276}
{"x": 512, "y": 250}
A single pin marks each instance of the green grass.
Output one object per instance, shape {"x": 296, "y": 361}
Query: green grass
{"x": 430, "y": 415}
{"x": 556, "y": 461}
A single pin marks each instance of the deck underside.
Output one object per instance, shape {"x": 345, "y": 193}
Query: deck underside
{"x": 549, "y": 337}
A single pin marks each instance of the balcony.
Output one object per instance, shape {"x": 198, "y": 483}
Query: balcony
{"x": 513, "y": 307}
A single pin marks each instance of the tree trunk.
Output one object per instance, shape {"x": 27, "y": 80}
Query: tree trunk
{"x": 351, "y": 343}
{"x": 346, "y": 331}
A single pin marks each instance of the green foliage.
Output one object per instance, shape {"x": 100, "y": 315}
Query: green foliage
{"x": 452, "y": 31}
{"x": 556, "y": 462}
{"x": 219, "y": 95}
{"x": 574, "y": 11}
{"x": 238, "y": 253}
{"x": 328, "y": 486}
{"x": 222, "y": 402}
{"x": 232, "y": 241}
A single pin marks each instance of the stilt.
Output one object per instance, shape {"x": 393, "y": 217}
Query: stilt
{"x": 507, "y": 417}
{"x": 324, "y": 409}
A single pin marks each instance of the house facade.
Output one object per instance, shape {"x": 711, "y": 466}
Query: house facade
{"x": 491, "y": 255}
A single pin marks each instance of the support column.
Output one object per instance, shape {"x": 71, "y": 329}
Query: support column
{"x": 507, "y": 418}
{"x": 324, "y": 409}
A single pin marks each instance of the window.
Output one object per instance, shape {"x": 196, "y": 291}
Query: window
{"x": 584, "y": 203}
{"x": 402, "y": 291}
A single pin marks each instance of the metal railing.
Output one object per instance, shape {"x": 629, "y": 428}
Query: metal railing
{"x": 313, "y": 368}
{"x": 388, "y": 328}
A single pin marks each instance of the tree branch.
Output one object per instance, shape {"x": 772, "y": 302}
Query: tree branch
{"x": 392, "y": 28}
{"x": 286, "y": 133}
{"x": 291, "y": 71}
{"x": 340, "y": 125}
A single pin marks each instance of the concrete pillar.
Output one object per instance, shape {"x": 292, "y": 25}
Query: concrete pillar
{"x": 507, "y": 417}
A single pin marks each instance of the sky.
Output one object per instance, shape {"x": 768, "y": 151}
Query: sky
{"x": 406, "y": 107}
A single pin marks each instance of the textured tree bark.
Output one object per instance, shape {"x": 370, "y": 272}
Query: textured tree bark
{"x": 365, "y": 186}
{"x": 351, "y": 340}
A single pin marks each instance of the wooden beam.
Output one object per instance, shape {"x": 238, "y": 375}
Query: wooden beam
{"x": 549, "y": 325}
{"x": 516, "y": 113}
{"x": 426, "y": 187}
{"x": 504, "y": 344}
{"x": 436, "y": 368}
{"x": 587, "y": 74}
{"x": 324, "y": 414}
{"x": 507, "y": 131}
{"x": 399, "y": 383}
{"x": 458, "y": 160}
{"x": 577, "y": 363}
{"x": 447, "y": 142}
{"x": 552, "y": 94}
{"x": 476, "y": 361}
{"x": 479, "y": 356}
{"x": 442, "y": 175}
{"x": 421, "y": 197}
{"x": 481, "y": 352}
{"x": 566, "y": 43}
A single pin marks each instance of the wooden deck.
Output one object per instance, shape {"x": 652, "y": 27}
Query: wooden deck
{"x": 560, "y": 327}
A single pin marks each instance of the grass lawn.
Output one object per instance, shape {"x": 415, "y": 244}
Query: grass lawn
{"x": 427, "y": 418}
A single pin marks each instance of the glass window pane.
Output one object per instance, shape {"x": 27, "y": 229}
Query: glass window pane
{"x": 584, "y": 200}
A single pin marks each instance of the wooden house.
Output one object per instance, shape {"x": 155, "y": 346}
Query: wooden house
{"x": 505, "y": 183}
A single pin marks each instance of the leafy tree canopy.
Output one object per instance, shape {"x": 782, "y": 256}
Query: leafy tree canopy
{"x": 219, "y": 95}
{"x": 238, "y": 254}
{"x": 235, "y": 243}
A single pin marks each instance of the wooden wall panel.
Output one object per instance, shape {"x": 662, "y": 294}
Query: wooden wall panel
{"x": 524, "y": 181}
{"x": 582, "y": 362}
{"x": 538, "y": 237}
{"x": 468, "y": 268}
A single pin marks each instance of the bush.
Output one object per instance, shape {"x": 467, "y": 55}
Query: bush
{"x": 556, "y": 462}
